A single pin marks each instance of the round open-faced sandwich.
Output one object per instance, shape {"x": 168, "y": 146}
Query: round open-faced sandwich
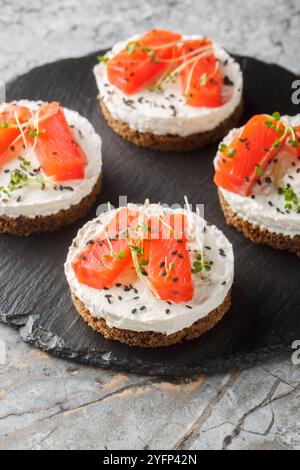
{"x": 50, "y": 167}
{"x": 258, "y": 179}
{"x": 150, "y": 276}
{"x": 169, "y": 92}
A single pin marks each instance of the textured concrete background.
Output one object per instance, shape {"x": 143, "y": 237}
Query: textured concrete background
{"x": 37, "y": 32}
{"x": 48, "y": 403}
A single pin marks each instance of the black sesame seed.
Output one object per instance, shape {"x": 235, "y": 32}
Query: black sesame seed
{"x": 162, "y": 264}
{"x": 118, "y": 284}
{"x": 180, "y": 255}
{"x": 227, "y": 81}
{"x": 167, "y": 311}
{"x": 174, "y": 252}
{"x": 188, "y": 306}
{"x": 83, "y": 257}
{"x": 143, "y": 307}
{"x": 175, "y": 279}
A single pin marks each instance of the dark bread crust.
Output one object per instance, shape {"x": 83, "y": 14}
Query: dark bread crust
{"x": 24, "y": 226}
{"x": 172, "y": 143}
{"x": 151, "y": 339}
{"x": 256, "y": 234}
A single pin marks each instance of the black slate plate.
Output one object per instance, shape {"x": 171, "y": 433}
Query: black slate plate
{"x": 264, "y": 319}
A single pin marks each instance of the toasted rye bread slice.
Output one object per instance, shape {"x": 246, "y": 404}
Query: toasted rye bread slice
{"x": 24, "y": 226}
{"x": 151, "y": 339}
{"x": 256, "y": 234}
{"x": 172, "y": 143}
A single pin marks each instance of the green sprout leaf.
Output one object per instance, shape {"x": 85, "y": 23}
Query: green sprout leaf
{"x": 231, "y": 152}
{"x": 259, "y": 170}
{"x": 222, "y": 148}
{"x": 292, "y": 201}
{"x": 103, "y": 58}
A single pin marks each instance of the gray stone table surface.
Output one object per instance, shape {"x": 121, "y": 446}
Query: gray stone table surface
{"x": 48, "y": 403}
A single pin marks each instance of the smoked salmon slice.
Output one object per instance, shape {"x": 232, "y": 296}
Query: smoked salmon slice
{"x": 159, "y": 255}
{"x": 201, "y": 79}
{"x": 57, "y": 150}
{"x": 9, "y": 130}
{"x": 243, "y": 162}
{"x": 143, "y": 61}
{"x": 169, "y": 269}
{"x": 105, "y": 257}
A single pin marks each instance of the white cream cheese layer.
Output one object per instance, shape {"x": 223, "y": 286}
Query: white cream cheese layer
{"x": 136, "y": 308}
{"x": 166, "y": 113}
{"x": 31, "y": 200}
{"x": 265, "y": 207}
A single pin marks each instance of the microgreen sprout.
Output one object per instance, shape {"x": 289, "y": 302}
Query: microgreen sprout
{"x": 273, "y": 122}
{"x": 103, "y": 58}
{"x": 222, "y": 148}
{"x": 231, "y": 152}
{"x": 292, "y": 201}
{"x": 259, "y": 171}
{"x": 201, "y": 265}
